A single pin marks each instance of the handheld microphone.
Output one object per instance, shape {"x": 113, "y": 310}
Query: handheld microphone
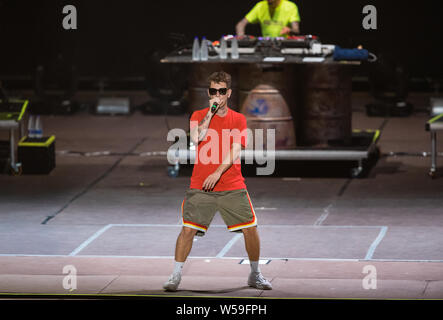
{"x": 214, "y": 107}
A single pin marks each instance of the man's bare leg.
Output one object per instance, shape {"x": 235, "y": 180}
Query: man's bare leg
{"x": 184, "y": 244}
{"x": 182, "y": 249}
{"x": 252, "y": 244}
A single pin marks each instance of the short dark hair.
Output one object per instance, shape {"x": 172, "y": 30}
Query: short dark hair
{"x": 220, "y": 76}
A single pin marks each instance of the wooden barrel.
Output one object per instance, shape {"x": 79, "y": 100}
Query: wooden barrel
{"x": 325, "y": 115}
{"x": 265, "y": 99}
{"x": 198, "y": 86}
{"x": 265, "y": 108}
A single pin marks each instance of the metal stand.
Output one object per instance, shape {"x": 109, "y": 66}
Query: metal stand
{"x": 433, "y": 125}
{"x": 358, "y": 153}
{"x": 13, "y": 120}
{"x": 433, "y": 169}
{"x": 12, "y": 125}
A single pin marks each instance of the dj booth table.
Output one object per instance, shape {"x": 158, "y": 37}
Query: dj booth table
{"x": 313, "y": 89}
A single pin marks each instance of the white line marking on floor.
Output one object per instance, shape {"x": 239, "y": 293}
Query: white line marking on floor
{"x": 228, "y": 246}
{"x": 261, "y": 225}
{"x": 376, "y": 242}
{"x": 260, "y": 261}
{"x": 223, "y": 258}
{"x": 84, "y": 244}
{"x": 90, "y": 239}
{"x": 264, "y": 208}
{"x": 323, "y": 216}
{"x": 404, "y": 260}
{"x": 144, "y": 225}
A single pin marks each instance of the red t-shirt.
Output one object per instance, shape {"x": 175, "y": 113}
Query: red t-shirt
{"x": 222, "y": 132}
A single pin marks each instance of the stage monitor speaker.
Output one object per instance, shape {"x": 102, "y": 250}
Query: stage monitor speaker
{"x": 113, "y": 106}
{"x": 37, "y": 155}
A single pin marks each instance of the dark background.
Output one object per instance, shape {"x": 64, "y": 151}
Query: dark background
{"x": 115, "y": 38}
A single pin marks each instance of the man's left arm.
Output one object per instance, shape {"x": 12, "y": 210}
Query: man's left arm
{"x": 227, "y": 162}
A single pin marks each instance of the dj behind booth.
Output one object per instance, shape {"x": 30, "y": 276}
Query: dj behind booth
{"x": 277, "y": 18}
{"x": 291, "y": 83}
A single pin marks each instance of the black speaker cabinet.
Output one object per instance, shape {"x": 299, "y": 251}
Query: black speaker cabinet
{"x": 36, "y": 155}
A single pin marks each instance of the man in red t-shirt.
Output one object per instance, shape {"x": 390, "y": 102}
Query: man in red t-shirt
{"x": 217, "y": 184}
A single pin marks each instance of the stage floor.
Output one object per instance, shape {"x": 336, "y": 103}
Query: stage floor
{"x": 115, "y": 217}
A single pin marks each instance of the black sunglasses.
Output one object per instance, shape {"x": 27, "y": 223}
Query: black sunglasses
{"x": 222, "y": 91}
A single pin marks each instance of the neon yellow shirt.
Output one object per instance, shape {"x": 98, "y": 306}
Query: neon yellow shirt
{"x": 285, "y": 13}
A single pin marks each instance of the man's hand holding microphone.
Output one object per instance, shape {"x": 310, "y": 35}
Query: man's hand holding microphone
{"x": 214, "y": 105}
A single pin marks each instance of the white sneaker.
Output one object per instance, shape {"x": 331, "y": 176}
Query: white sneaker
{"x": 173, "y": 282}
{"x": 256, "y": 280}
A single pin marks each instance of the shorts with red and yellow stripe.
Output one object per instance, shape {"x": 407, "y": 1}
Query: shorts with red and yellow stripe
{"x": 235, "y": 207}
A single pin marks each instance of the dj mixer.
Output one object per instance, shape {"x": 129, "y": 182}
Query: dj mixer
{"x": 303, "y": 45}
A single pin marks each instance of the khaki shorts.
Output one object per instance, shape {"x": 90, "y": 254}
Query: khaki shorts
{"x": 235, "y": 207}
